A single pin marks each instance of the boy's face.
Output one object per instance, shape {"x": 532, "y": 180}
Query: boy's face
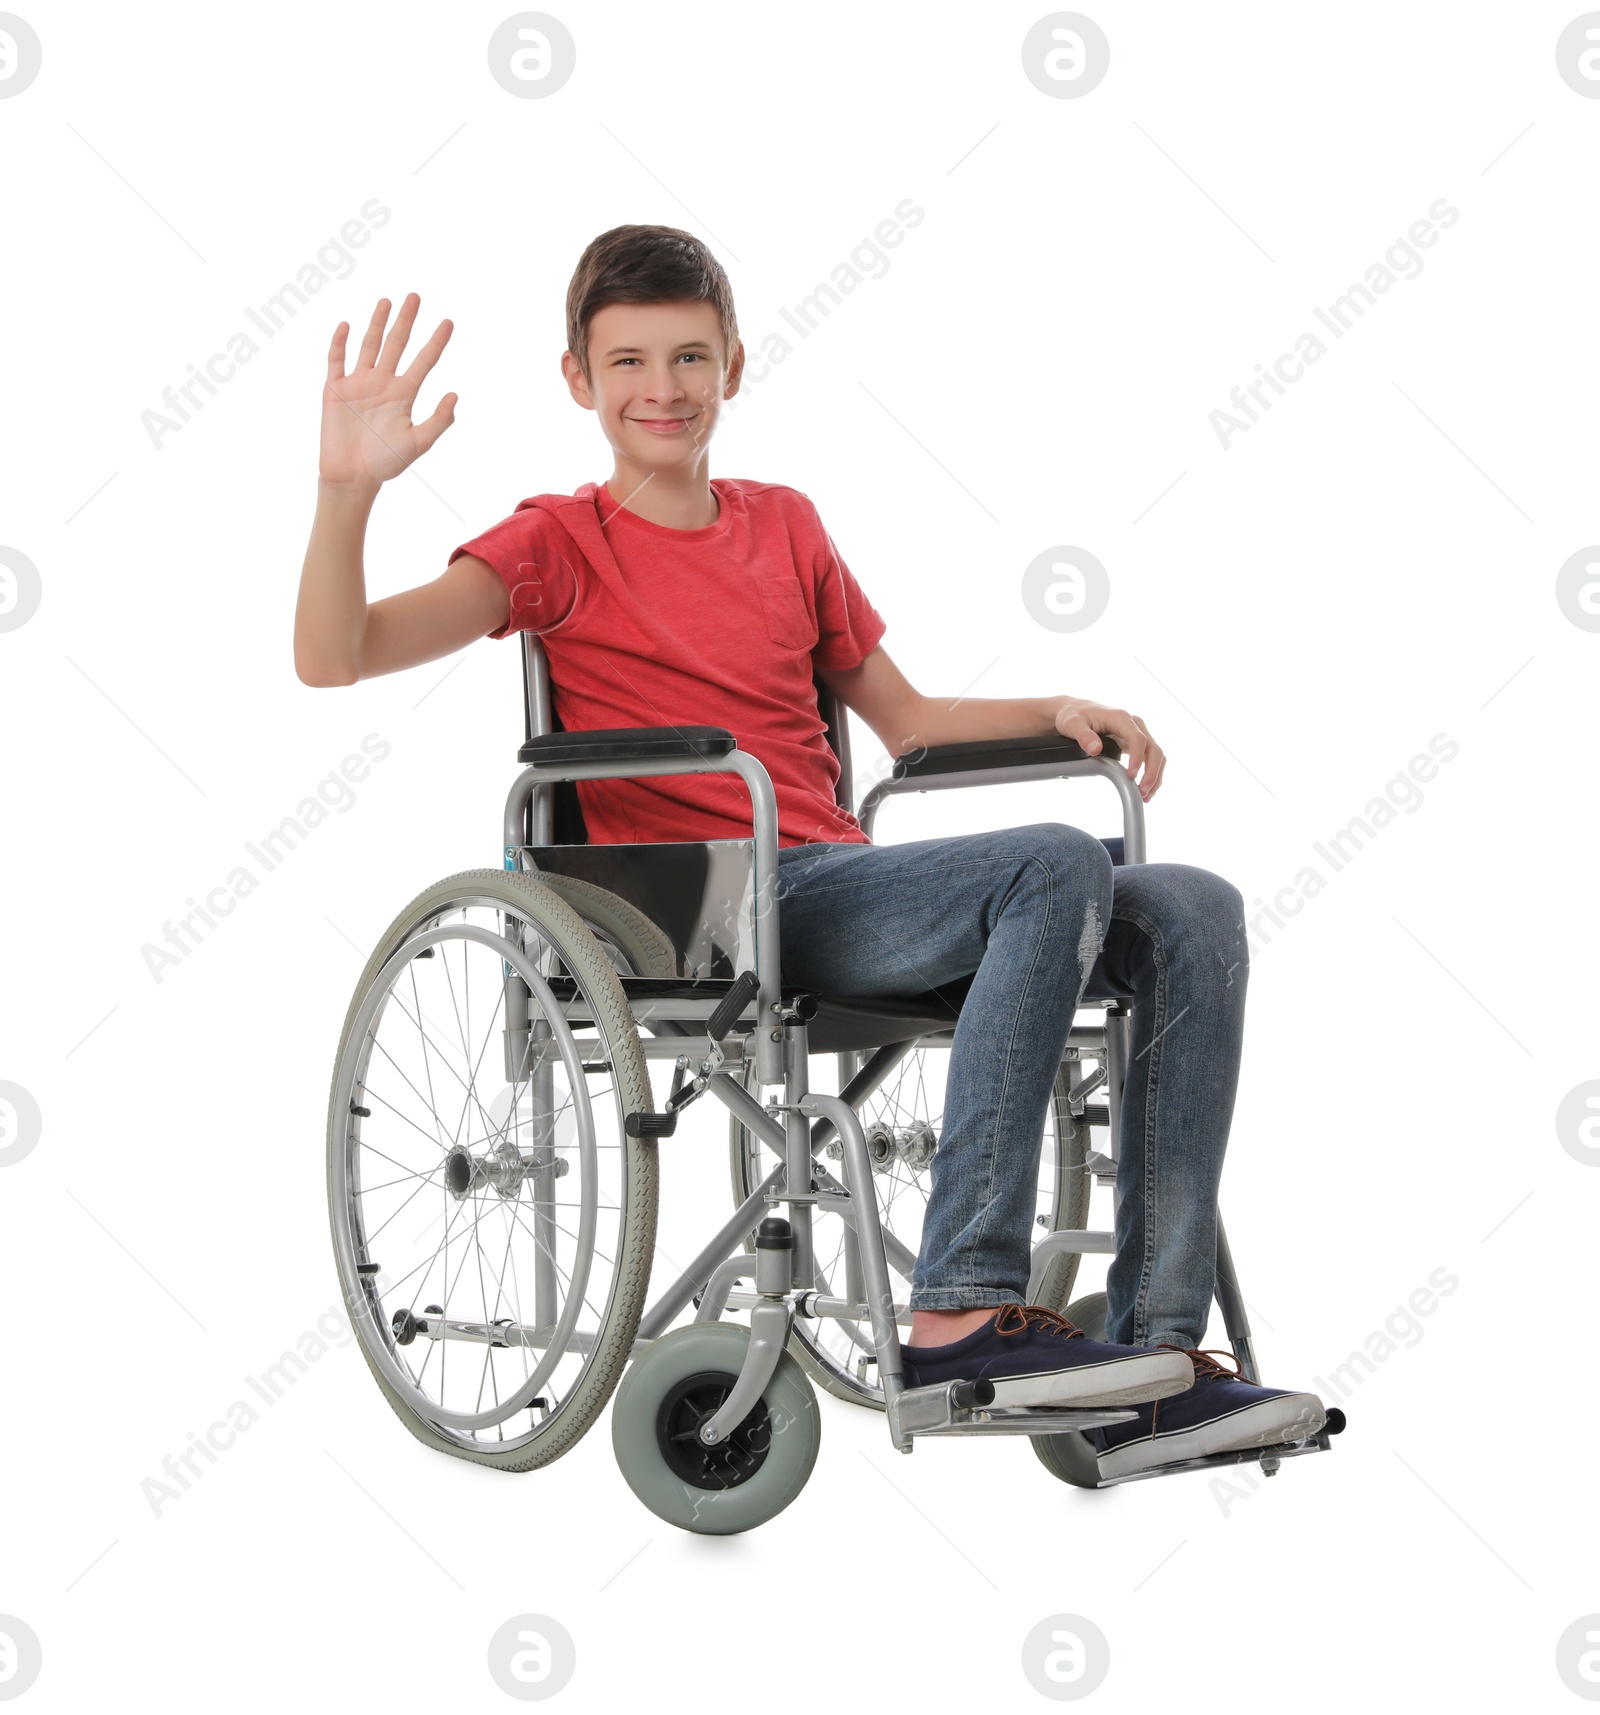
{"x": 658, "y": 374}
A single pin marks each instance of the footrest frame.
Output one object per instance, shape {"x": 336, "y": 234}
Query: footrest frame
{"x": 943, "y": 1410}
{"x": 1267, "y": 1457}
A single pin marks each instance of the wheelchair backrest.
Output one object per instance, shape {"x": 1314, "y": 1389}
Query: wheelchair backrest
{"x": 540, "y": 717}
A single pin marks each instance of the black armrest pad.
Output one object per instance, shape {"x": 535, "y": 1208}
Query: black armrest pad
{"x": 629, "y": 744}
{"x": 999, "y": 753}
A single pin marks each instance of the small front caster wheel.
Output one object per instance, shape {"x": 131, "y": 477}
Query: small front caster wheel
{"x": 675, "y": 1386}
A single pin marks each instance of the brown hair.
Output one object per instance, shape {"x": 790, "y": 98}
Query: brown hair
{"x": 645, "y": 265}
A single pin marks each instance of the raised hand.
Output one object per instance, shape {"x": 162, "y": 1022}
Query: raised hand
{"x": 367, "y": 432}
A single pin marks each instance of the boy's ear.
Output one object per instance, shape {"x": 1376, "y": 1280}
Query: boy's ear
{"x": 577, "y": 383}
{"x": 735, "y": 371}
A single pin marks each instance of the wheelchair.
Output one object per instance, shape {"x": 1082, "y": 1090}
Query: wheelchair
{"x": 494, "y": 1142}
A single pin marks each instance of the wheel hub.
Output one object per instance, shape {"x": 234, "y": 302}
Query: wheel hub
{"x": 688, "y": 1406}
{"x": 912, "y": 1144}
{"x": 917, "y": 1144}
{"x": 504, "y": 1168}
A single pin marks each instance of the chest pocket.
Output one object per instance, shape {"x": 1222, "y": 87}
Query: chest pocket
{"x": 789, "y": 622}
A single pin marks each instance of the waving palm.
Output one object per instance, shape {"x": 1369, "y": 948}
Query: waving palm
{"x": 367, "y": 432}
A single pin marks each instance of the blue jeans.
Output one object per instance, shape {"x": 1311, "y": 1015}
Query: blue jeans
{"x": 1038, "y": 917}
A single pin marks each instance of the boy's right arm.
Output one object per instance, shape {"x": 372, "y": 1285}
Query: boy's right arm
{"x": 368, "y": 438}
{"x": 339, "y": 637}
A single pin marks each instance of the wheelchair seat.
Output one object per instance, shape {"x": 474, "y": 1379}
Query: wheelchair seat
{"x": 837, "y": 1023}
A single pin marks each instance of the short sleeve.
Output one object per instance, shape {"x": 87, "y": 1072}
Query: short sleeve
{"x": 849, "y": 627}
{"x": 535, "y": 561}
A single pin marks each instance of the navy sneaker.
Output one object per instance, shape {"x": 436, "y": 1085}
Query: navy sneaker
{"x": 1221, "y": 1413}
{"x": 1036, "y": 1357}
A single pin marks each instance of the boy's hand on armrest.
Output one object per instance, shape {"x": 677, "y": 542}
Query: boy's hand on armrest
{"x": 367, "y": 433}
{"x": 1083, "y": 720}
{"x": 906, "y": 720}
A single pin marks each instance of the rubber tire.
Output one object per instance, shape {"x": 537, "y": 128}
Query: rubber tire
{"x": 789, "y": 1399}
{"x": 1073, "y": 1189}
{"x": 643, "y": 943}
{"x": 583, "y": 954}
{"x": 1072, "y": 1457}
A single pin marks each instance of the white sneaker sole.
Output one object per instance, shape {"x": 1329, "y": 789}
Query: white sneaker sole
{"x": 1290, "y": 1417}
{"x": 1117, "y": 1381}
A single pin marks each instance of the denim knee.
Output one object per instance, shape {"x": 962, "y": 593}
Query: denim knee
{"x": 1068, "y": 851}
{"x": 1215, "y": 917}
{"x": 1075, "y": 860}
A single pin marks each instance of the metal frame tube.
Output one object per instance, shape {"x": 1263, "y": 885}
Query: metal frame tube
{"x": 542, "y": 1188}
{"x": 1116, "y": 1065}
{"x": 714, "y": 1295}
{"x": 536, "y": 689}
{"x": 870, "y": 1078}
{"x": 764, "y": 816}
{"x": 798, "y": 1153}
{"x": 869, "y": 1234}
{"x": 1231, "y": 1302}
{"x": 1132, "y": 803}
{"x": 754, "y": 1117}
{"x": 695, "y": 1277}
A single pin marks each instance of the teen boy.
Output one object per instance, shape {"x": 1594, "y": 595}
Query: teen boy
{"x": 666, "y": 596}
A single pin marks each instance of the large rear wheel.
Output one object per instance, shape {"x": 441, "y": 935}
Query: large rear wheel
{"x": 493, "y": 1221}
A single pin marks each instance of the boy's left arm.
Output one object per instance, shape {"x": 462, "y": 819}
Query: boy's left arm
{"x": 906, "y": 720}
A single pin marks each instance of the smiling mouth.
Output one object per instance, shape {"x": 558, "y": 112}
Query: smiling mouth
{"x": 662, "y": 423}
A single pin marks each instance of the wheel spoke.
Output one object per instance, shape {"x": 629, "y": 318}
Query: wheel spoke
{"x": 421, "y": 1188}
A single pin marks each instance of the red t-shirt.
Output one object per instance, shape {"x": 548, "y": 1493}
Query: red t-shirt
{"x": 648, "y": 626}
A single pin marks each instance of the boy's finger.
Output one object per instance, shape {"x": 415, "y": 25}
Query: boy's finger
{"x": 336, "y": 352}
{"x": 1125, "y": 730}
{"x": 399, "y": 333}
{"x": 1084, "y": 735}
{"x": 1143, "y": 750}
{"x": 416, "y": 371}
{"x": 374, "y": 336}
{"x": 1134, "y": 744}
{"x": 429, "y": 431}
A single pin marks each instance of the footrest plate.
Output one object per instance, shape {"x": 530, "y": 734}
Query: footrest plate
{"x": 1240, "y": 1456}
{"x": 937, "y": 1411}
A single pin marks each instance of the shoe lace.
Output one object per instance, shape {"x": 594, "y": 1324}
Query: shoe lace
{"x": 1213, "y": 1366}
{"x": 1208, "y": 1367}
{"x": 1018, "y": 1318}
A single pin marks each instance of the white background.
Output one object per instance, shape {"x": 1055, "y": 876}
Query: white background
{"x": 1372, "y": 564}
